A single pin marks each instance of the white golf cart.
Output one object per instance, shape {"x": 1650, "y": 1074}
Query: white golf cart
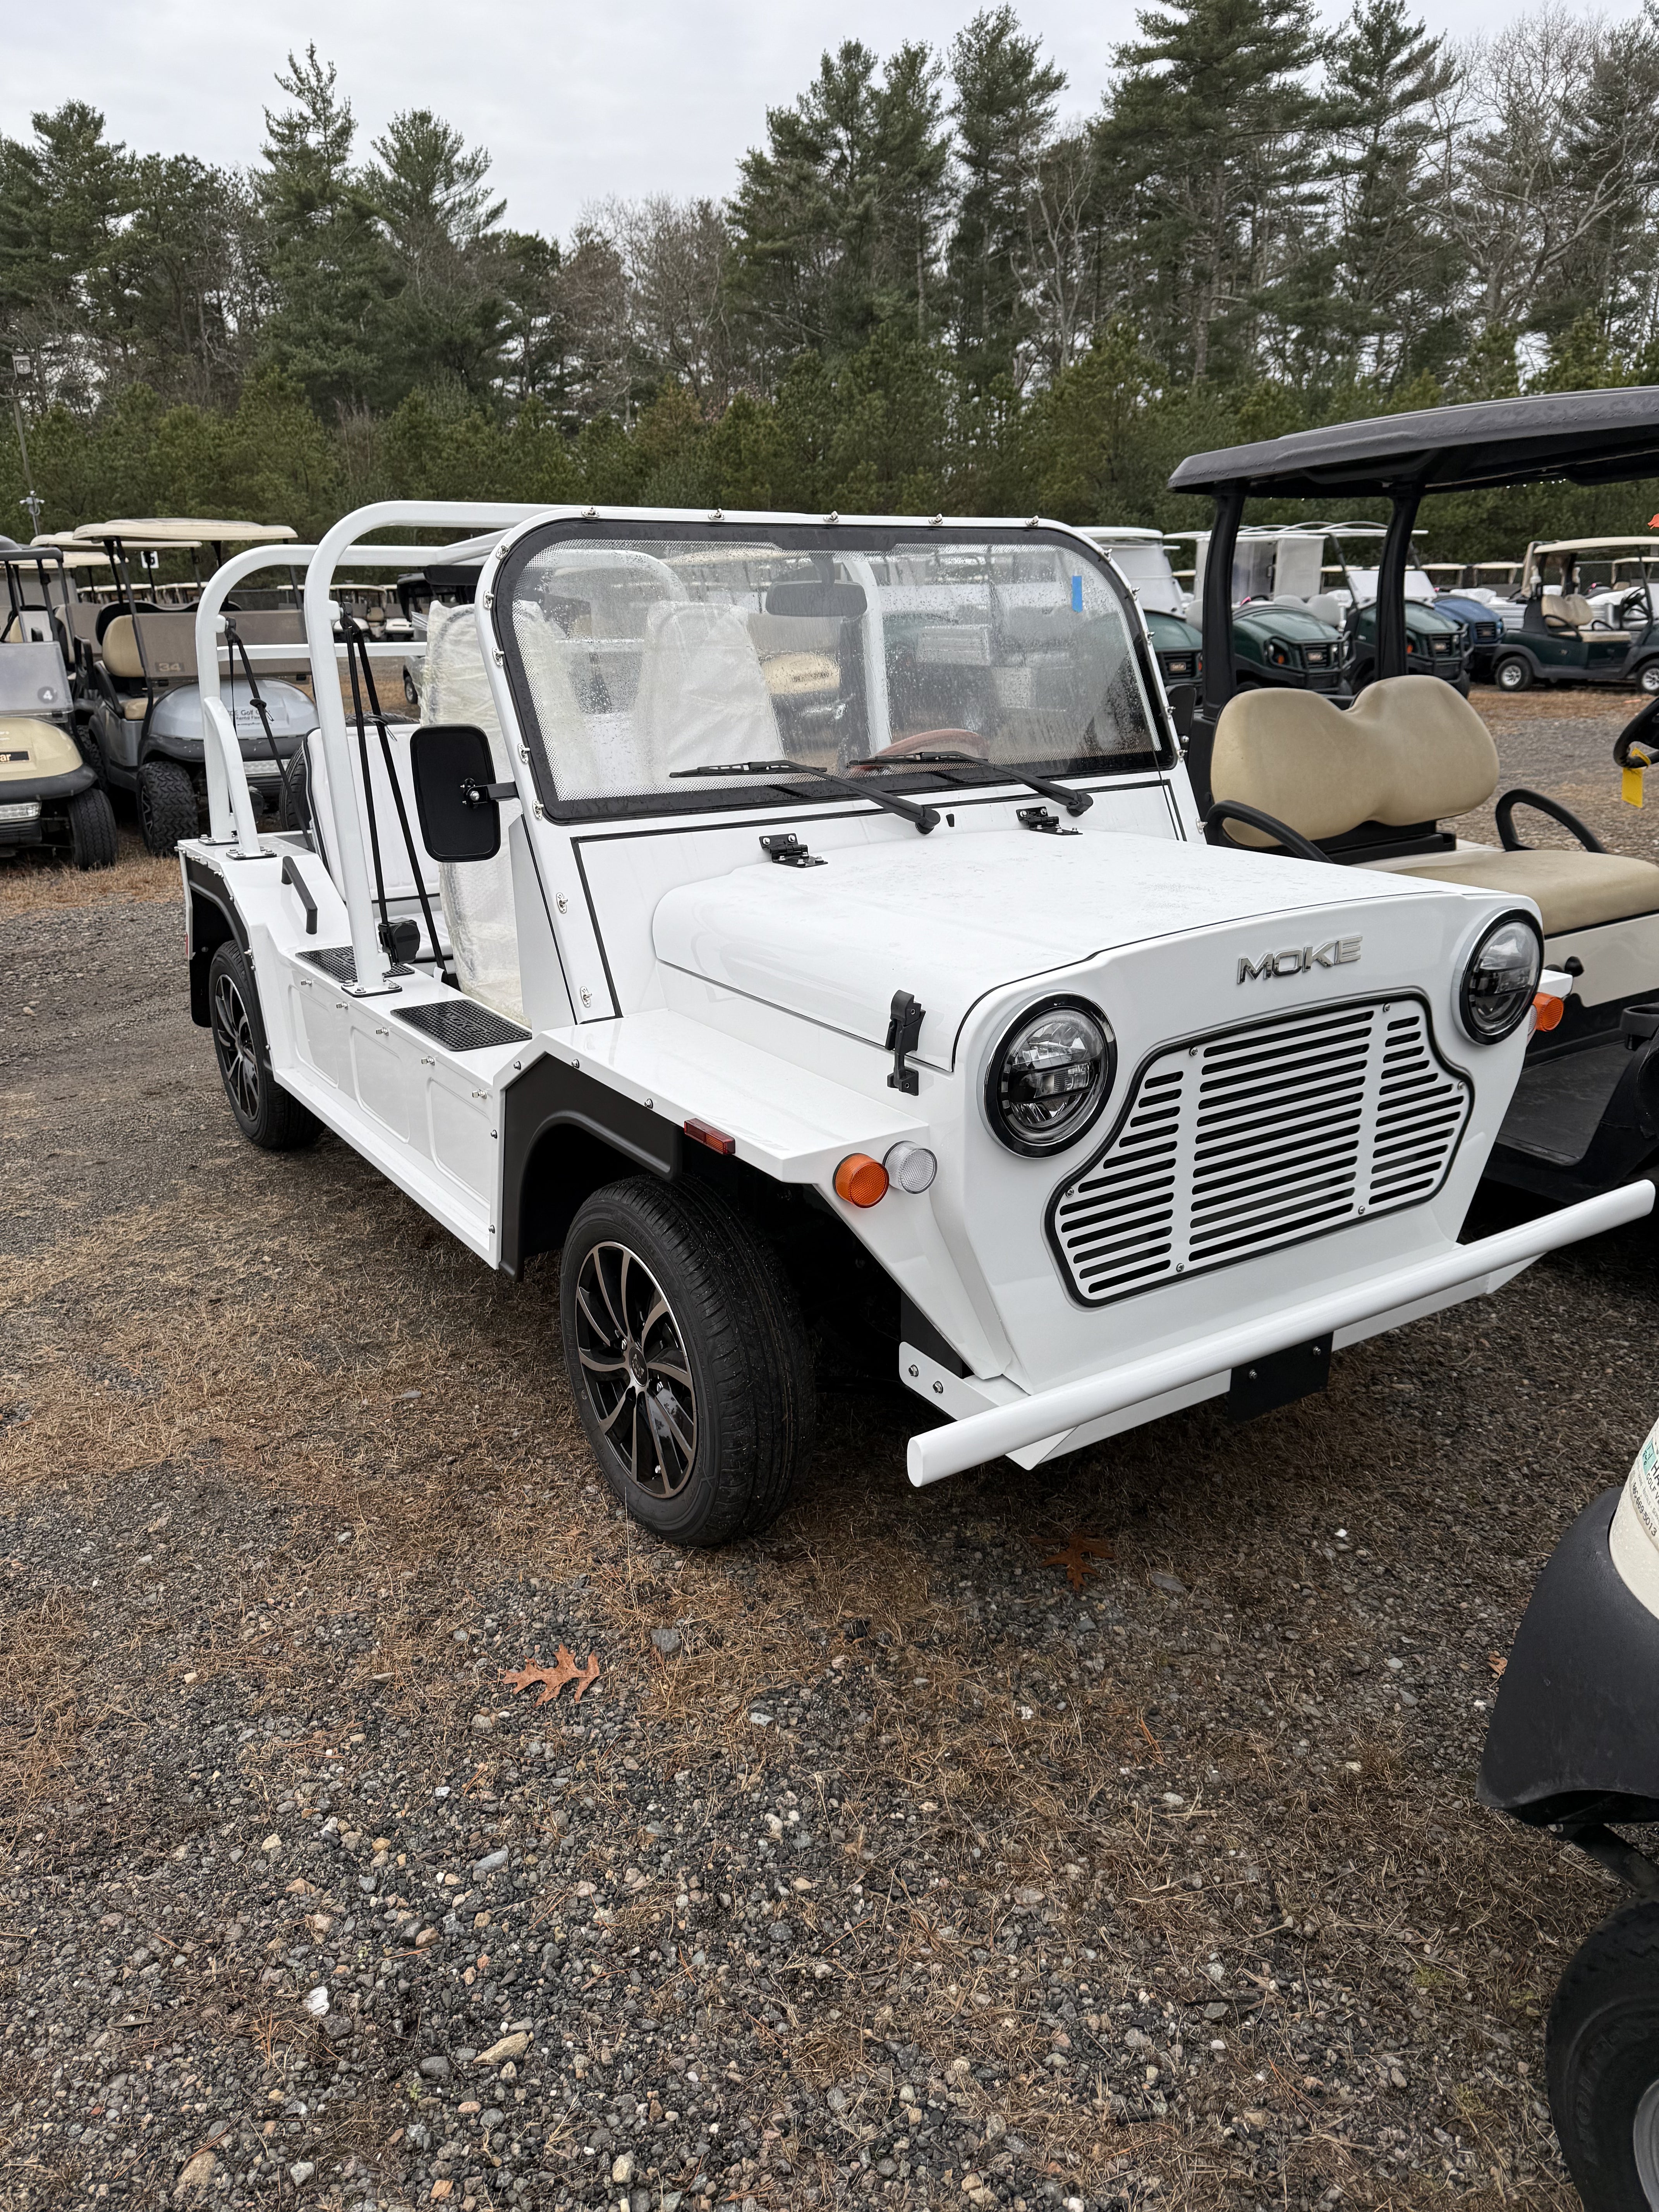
{"x": 804, "y": 923}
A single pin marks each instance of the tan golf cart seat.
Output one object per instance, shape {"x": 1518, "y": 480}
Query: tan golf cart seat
{"x": 1410, "y": 751}
{"x": 1573, "y": 609}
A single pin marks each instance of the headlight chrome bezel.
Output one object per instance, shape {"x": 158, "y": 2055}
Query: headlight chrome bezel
{"x": 1471, "y": 1026}
{"x": 1069, "y": 1131}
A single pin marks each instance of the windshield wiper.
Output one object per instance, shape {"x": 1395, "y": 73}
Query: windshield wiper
{"x": 1074, "y": 802}
{"x": 921, "y": 818}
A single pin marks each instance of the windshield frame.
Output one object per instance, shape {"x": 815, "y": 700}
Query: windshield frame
{"x": 875, "y": 535}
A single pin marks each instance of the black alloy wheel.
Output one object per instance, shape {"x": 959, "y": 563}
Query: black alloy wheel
{"x": 687, "y": 1358}
{"x": 266, "y": 1114}
{"x": 634, "y": 1358}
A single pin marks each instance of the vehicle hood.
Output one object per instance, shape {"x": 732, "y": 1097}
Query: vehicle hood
{"x": 1170, "y": 631}
{"x": 31, "y": 747}
{"x": 1284, "y": 621}
{"x": 955, "y": 916}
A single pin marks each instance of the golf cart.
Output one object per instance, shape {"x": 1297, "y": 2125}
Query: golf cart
{"x": 1283, "y": 638}
{"x": 1374, "y": 787}
{"x": 146, "y": 709}
{"x": 1572, "y": 1748}
{"x": 802, "y": 925}
{"x": 50, "y": 798}
{"x": 1141, "y": 558}
{"x": 1564, "y": 637}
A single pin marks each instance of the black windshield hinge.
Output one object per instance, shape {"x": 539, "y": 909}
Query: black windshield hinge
{"x": 903, "y": 1035}
{"x": 1043, "y": 818}
{"x": 787, "y": 849}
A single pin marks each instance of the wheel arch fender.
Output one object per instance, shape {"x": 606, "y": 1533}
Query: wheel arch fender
{"x": 564, "y": 1135}
{"x": 1575, "y": 1720}
{"x": 212, "y": 922}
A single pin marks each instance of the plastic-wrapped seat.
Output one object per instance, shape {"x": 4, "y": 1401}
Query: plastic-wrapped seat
{"x": 478, "y": 895}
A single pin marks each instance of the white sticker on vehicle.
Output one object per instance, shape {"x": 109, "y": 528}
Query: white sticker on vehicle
{"x": 1633, "y": 1538}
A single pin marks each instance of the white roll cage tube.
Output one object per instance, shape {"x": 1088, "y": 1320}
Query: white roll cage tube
{"x": 230, "y": 803}
{"x": 368, "y": 954}
{"x": 1046, "y": 1413}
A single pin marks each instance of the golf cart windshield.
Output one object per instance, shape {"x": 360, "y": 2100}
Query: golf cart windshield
{"x": 639, "y": 657}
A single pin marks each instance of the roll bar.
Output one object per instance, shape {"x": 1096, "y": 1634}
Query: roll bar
{"x": 230, "y": 801}
{"x": 368, "y": 954}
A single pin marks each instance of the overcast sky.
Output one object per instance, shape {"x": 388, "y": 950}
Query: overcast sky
{"x": 575, "y": 101}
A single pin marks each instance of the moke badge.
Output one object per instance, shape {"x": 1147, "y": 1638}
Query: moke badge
{"x": 1300, "y": 959}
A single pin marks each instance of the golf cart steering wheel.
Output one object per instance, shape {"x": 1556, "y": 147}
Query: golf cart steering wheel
{"x": 1636, "y": 601}
{"x": 926, "y": 741}
{"x": 1636, "y": 744}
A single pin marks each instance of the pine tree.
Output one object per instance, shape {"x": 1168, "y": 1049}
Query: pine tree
{"x": 1392, "y": 274}
{"x": 1206, "y": 144}
{"x": 836, "y": 221}
{"x": 447, "y": 320}
{"x": 1004, "y": 113}
{"x": 64, "y": 198}
{"x": 329, "y": 269}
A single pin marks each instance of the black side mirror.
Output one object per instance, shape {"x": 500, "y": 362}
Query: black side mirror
{"x": 1183, "y": 704}
{"x": 455, "y": 797}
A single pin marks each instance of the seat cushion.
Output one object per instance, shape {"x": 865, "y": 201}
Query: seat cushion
{"x": 1573, "y": 890}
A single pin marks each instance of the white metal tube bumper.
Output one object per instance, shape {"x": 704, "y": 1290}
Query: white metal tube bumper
{"x": 985, "y": 1435}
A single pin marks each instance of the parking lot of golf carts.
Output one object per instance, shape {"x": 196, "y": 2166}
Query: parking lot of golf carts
{"x": 877, "y": 1863}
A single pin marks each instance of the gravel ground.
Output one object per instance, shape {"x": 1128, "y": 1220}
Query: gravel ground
{"x": 875, "y": 1863}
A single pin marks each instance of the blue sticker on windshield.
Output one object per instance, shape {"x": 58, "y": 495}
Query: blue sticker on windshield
{"x": 1077, "y": 595}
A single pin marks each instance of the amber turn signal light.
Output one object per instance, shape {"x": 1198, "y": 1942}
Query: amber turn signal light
{"x": 1546, "y": 1010}
{"x": 862, "y": 1181}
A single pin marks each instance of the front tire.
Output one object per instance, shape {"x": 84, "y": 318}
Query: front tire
{"x": 166, "y": 805}
{"x": 265, "y": 1114}
{"x": 1602, "y": 2062}
{"x": 1513, "y": 673}
{"x": 687, "y": 1357}
{"x": 1647, "y": 678}
{"x": 91, "y": 828}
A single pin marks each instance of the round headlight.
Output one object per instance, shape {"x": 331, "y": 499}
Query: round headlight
{"x": 1500, "y": 979}
{"x": 1049, "y": 1077}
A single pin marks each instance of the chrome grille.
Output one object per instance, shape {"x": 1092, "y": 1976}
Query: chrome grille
{"x": 1260, "y": 1136}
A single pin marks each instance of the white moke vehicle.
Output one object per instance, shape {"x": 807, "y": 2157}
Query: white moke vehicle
{"x": 804, "y": 923}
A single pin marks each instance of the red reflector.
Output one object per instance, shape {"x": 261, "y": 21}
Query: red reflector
{"x": 704, "y": 1132}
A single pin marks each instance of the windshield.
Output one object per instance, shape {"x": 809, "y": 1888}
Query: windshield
{"x": 1147, "y": 565}
{"x": 636, "y": 658}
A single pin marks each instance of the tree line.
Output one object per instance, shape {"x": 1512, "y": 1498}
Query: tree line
{"x": 933, "y": 285}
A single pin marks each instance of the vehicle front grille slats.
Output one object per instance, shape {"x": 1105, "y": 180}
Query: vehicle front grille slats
{"x": 1252, "y": 1139}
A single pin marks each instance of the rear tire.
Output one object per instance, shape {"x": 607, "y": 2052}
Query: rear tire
{"x": 1602, "y": 2062}
{"x": 166, "y": 805}
{"x": 1513, "y": 673}
{"x": 687, "y": 1357}
{"x": 1647, "y": 678}
{"x": 91, "y": 828}
{"x": 265, "y": 1114}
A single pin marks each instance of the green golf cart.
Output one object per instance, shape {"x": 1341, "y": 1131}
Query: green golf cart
{"x": 1567, "y": 637}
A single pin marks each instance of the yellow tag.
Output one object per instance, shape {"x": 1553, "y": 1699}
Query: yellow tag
{"x": 1630, "y": 787}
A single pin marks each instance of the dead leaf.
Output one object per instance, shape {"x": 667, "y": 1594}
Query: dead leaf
{"x": 564, "y": 1669}
{"x": 1496, "y": 1661}
{"x": 1075, "y": 1558}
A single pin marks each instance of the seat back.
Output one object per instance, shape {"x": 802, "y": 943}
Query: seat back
{"x": 159, "y": 646}
{"x": 1410, "y": 749}
{"x": 478, "y": 895}
{"x": 1568, "y": 607}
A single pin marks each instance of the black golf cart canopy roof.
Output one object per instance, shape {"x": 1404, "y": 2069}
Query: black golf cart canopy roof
{"x": 1589, "y": 437}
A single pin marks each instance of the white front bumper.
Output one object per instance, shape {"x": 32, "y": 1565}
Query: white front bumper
{"x": 1046, "y": 1414}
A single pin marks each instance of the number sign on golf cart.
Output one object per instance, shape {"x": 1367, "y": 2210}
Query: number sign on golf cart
{"x": 802, "y": 925}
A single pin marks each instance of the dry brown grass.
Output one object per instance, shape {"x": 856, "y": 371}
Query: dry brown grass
{"x": 31, "y": 885}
